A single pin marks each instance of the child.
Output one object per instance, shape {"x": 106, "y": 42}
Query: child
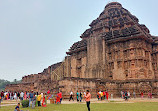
{"x": 17, "y": 108}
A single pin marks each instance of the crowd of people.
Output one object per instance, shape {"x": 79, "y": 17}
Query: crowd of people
{"x": 103, "y": 95}
{"x": 79, "y": 96}
{"x": 127, "y": 95}
{"x": 35, "y": 98}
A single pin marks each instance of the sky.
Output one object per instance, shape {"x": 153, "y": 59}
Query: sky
{"x": 35, "y": 34}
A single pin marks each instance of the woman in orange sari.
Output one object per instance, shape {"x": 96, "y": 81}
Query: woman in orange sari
{"x": 6, "y": 97}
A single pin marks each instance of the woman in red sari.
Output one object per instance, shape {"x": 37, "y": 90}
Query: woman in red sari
{"x": 107, "y": 95}
{"x": 44, "y": 101}
{"x": 142, "y": 95}
{"x": 57, "y": 98}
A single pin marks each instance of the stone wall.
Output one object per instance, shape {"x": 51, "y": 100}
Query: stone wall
{"x": 130, "y": 60}
{"x": 73, "y": 84}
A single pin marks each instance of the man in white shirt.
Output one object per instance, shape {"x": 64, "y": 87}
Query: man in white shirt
{"x": 71, "y": 93}
{"x": 21, "y": 95}
{"x": 129, "y": 94}
{"x": 71, "y": 96}
{"x": 5, "y": 94}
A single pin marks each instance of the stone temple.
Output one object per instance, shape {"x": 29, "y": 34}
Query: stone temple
{"x": 115, "y": 53}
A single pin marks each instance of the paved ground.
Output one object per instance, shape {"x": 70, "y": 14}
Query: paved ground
{"x": 116, "y": 100}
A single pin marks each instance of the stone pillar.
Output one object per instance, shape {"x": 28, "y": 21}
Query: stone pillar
{"x": 103, "y": 51}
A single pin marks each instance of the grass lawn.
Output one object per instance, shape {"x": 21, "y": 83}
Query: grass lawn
{"x": 143, "y": 106}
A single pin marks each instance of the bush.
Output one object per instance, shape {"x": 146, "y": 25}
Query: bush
{"x": 25, "y": 103}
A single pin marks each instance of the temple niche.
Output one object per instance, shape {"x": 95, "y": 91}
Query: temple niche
{"x": 115, "y": 53}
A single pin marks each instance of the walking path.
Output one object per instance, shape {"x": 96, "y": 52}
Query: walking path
{"x": 8, "y": 104}
{"x": 116, "y": 100}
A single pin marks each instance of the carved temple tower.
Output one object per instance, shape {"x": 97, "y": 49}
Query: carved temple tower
{"x": 115, "y": 47}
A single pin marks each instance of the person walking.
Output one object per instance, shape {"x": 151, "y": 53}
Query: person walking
{"x": 77, "y": 96}
{"x": 25, "y": 95}
{"x": 134, "y": 94}
{"x": 18, "y": 95}
{"x": 88, "y": 97}
{"x": 34, "y": 101}
{"x": 30, "y": 98}
{"x": 57, "y": 98}
{"x": 5, "y": 93}
{"x": 44, "y": 100}
{"x": 121, "y": 94}
{"x": 126, "y": 96}
{"x": 80, "y": 96}
{"x": 15, "y": 96}
{"x": 84, "y": 93}
{"x": 28, "y": 94}
{"x": 39, "y": 97}
{"x": 98, "y": 95}
{"x": 71, "y": 96}
{"x": 21, "y": 95}
{"x": 10, "y": 95}
{"x": 104, "y": 97}
{"x": 150, "y": 95}
{"x": 60, "y": 95}
{"x": 142, "y": 95}
{"x": 2, "y": 95}
{"x": 101, "y": 94}
{"x": 129, "y": 95}
{"x": 107, "y": 95}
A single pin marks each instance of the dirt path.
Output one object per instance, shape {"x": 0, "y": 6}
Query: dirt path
{"x": 8, "y": 104}
{"x": 116, "y": 100}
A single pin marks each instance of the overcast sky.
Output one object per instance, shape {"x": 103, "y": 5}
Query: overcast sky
{"x": 36, "y": 33}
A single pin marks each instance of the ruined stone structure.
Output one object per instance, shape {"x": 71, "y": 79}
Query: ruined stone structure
{"x": 115, "y": 53}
